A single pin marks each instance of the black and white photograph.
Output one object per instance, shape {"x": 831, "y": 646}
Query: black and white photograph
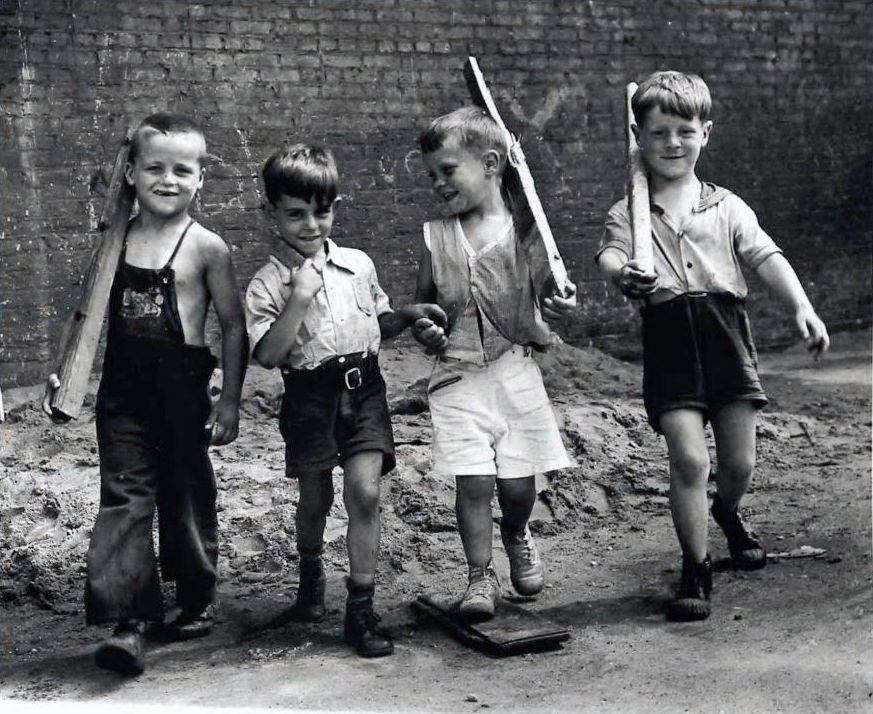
{"x": 430, "y": 356}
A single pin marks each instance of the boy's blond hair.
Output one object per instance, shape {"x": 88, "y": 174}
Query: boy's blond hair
{"x": 164, "y": 123}
{"x": 684, "y": 95}
{"x": 470, "y": 127}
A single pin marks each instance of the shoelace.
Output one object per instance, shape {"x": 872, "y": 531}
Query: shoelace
{"x": 482, "y": 588}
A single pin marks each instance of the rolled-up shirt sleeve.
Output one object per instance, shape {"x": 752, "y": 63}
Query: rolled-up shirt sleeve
{"x": 261, "y": 311}
{"x": 616, "y": 231}
{"x": 752, "y": 243}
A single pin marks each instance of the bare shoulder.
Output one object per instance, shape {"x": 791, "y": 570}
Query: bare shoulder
{"x": 207, "y": 244}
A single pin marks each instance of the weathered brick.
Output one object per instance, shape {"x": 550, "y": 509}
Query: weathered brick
{"x": 367, "y": 76}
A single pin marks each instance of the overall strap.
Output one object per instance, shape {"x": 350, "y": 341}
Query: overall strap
{"x": 178, "y": 245}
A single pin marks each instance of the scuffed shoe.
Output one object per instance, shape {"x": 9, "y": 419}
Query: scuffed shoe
{"x": 123, "y": 652}
{"x": 361, "y": 627}
{"x": 745, "y": 547}
{"x": 525, "y": 567}
{"x": 309, "y": 605}
{"x": 692, "y": 598}
{"x": 190, "y": 625}
{"x": 480, "y": 599}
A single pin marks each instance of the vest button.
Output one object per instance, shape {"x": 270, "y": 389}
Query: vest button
{"x": 688, "y": 265}
{"x": 341, "y": 360}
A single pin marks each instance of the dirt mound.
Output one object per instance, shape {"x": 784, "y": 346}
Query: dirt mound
{"x": 49, "y": 484}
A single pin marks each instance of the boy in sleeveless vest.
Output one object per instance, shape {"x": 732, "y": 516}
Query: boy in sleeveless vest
{"x": 699, "y": 360}
{"x": 492, "y": 420}
{"x": 154, "y": 416}
{"x": 317, "y": 312}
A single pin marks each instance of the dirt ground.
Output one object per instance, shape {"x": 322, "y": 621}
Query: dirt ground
{"x": 794, "y": 637}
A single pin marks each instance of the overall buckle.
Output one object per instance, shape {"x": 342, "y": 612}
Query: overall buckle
{"x": 353, "y": 378}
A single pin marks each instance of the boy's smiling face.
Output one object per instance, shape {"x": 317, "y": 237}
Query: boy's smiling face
{"x": 167, "y": 172}
{"x": 670, "y": 144}
{"x": 462, "y": 177}
{"x": 304, "y": 225}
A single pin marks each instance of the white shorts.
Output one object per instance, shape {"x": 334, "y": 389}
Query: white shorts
{"x": 494, "y": 419}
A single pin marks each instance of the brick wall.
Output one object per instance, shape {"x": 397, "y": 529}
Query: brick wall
{"x": 791, "y": 81}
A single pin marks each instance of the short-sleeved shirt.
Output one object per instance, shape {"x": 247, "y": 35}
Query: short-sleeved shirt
{"x": 342, "y": 318}
{"x": 707, "y": 251}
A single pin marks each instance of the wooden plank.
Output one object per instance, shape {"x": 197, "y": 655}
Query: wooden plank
{"x": 84, "y": 331}
{"x": 638, "y": 193}
{"x": 547, "y": 268}
{"x": 513, "y": 629}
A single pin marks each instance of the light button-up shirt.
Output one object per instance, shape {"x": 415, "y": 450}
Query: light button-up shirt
{"x": 342, "y": 318}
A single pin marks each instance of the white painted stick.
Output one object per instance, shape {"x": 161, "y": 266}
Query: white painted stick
{"x": 638, "y": 193}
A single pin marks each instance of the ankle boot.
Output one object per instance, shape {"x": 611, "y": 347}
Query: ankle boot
{"x": 692, "y": 598}
{"x": 744, "y": 545}
{"x": 309, "y": 605}
{"x": 361, "y": 628}
{"x": 123, "y": 652}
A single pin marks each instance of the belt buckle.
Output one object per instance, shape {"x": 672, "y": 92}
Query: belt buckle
{"x": 353, "y": 378}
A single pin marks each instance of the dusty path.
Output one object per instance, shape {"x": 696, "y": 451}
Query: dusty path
{"x": 794, "y": 637}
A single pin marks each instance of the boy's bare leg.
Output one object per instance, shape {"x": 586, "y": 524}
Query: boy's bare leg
{"x": 734, "y": 429}
{"x": 473, "y": 496}
{"x": 516, "y": 497}
{"x": 313, "y": 505}
{"x": 689, "y": 471}
{"x": 361, "y": 498}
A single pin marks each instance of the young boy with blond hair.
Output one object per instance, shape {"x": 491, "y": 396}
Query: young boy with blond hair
{"x": 700, "y": 363}
{"x": 154, "y": 416}
{"x": 492, "y": 420}
{"x": 317, "y": 312}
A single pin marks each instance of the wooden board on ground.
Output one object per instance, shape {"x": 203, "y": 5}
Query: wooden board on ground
{"x": 513, "y": 629}
{"x": 547, "y": 268}
{"x": 80, "y": 344}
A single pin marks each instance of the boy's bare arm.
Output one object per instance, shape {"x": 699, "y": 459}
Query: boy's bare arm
{"x": 223, "y": 422}
{"x": 427, "y": 319}
{"x": 430, "y": 333}
{"x": 274, "y": 346}
{"x": 626, "y": 274}
{"x": 778, "y": 275}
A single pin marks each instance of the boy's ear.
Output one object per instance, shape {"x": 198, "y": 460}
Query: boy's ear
{"x": 636, "y": 130}
{"x": 707, "y": 132}
{"x": 491, "y": 162}
{"x": 128, "y": 173}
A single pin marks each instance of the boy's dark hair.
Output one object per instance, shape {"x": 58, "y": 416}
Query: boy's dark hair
{"x": 303, "y": 171}
{"x": 471, "y": 127}
{"x": 164, "y": 123}
{"x": 685, "y": 95}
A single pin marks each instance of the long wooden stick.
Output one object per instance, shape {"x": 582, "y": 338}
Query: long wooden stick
{"x": 547, "y": 268}
{"x": 638, "y": 193}
{"x": 84, "y": 331}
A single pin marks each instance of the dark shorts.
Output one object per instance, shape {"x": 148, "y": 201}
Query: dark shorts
{"x": 698, "y": 354}
{"x": 334, "y": 412}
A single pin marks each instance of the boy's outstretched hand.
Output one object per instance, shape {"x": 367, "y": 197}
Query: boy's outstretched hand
{"x": 557, "y": 306}
{"x": 223, "y": 423}
{"x": 429, "y": 325}
{"x": 633, "y": 282}
{"x": 812, "y": 330}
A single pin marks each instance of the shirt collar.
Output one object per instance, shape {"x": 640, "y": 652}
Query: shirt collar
{"x": 286, "y": 258}
{"x": 710, "y": 195}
